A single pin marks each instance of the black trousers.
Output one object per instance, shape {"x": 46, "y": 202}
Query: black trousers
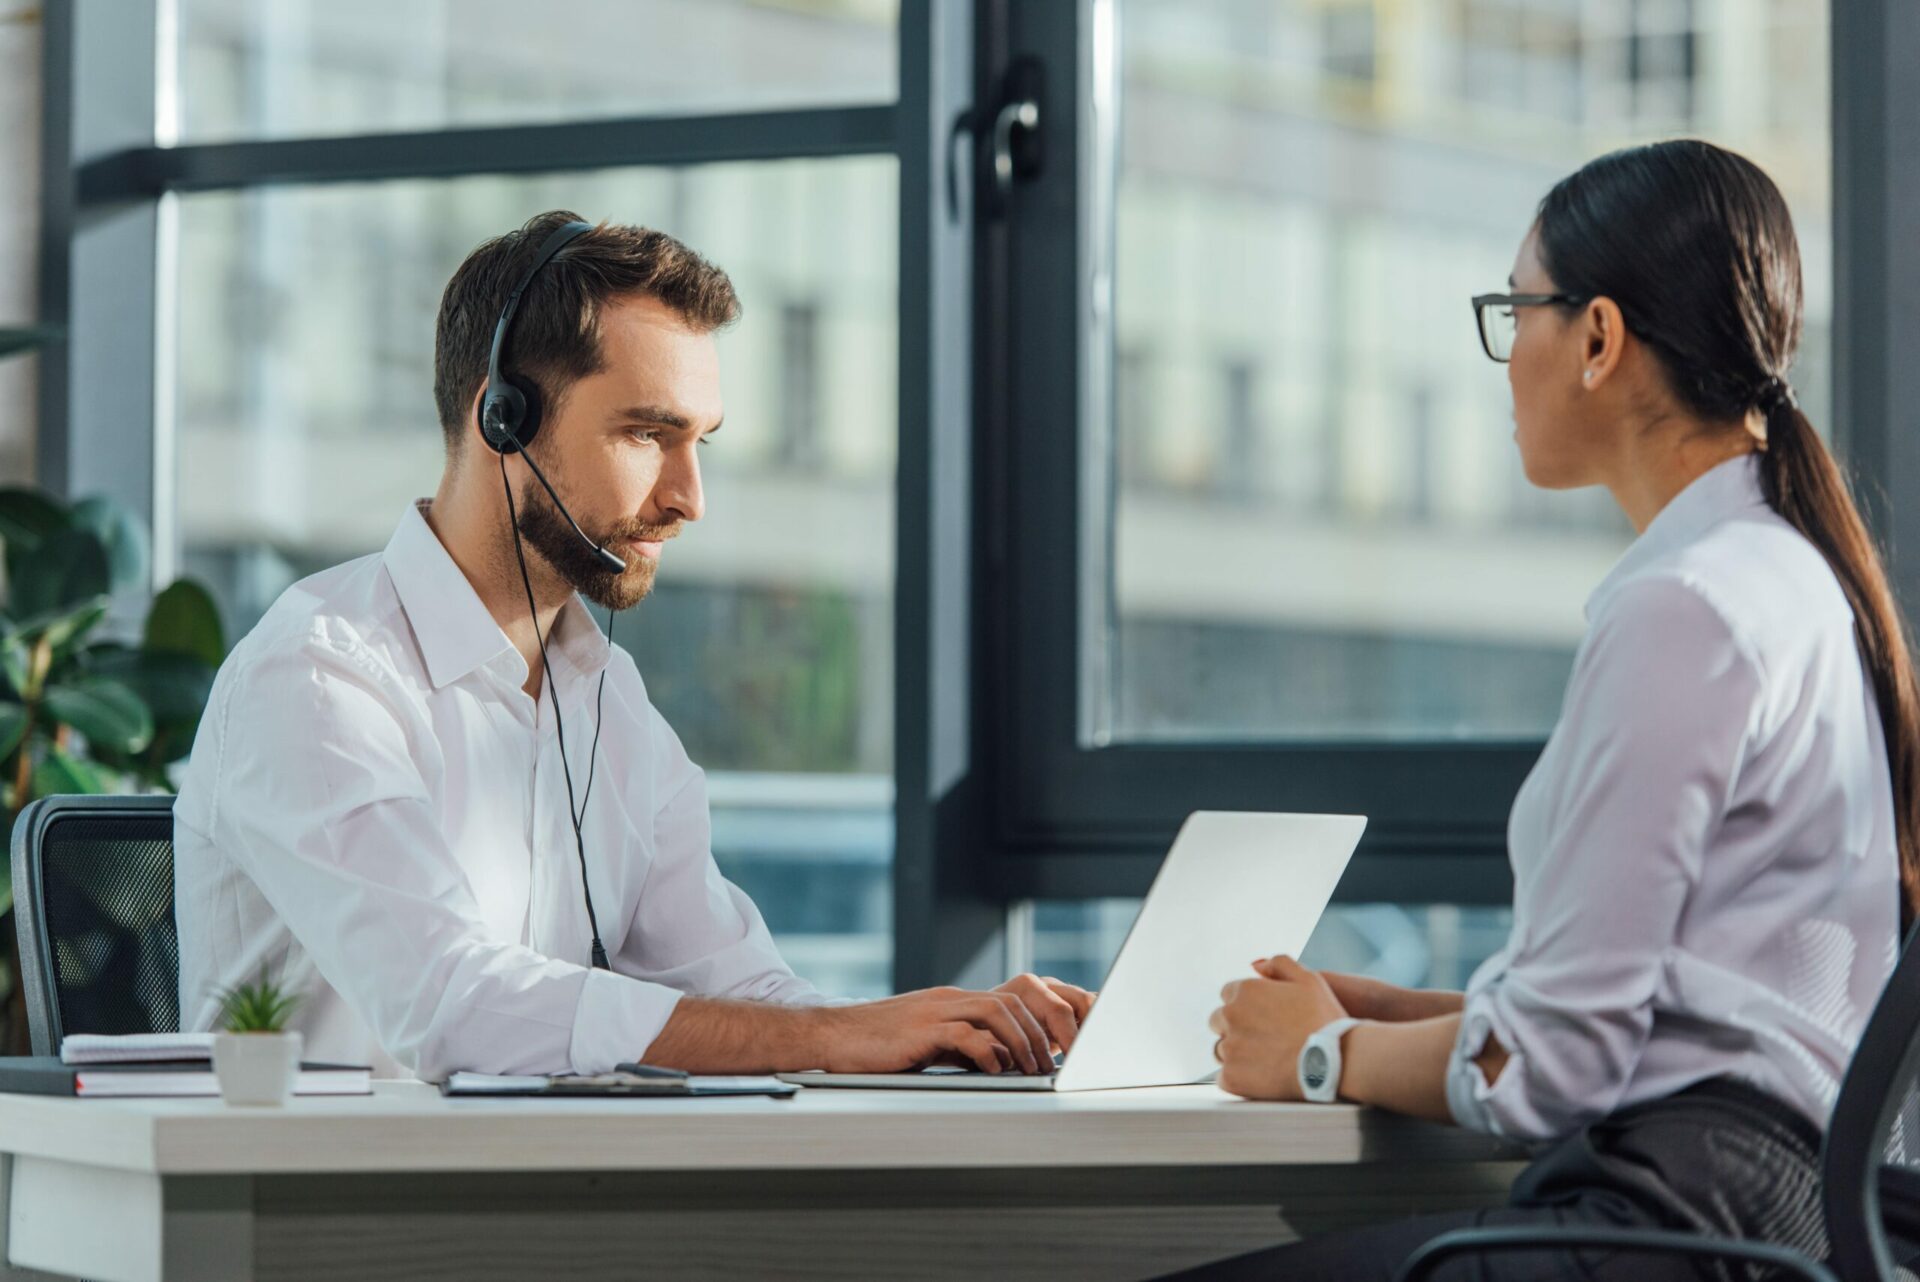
{"x": 1720, "y": 1158}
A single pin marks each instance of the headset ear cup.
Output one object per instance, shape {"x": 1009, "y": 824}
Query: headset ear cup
{"x": 531, "y": 408}
{"x": 502, "y": 410}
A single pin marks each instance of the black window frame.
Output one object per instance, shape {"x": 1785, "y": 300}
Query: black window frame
{"x": 998, "y": 797}
{"x": 106, "y": 266}
{"x": 1076, "y": 814}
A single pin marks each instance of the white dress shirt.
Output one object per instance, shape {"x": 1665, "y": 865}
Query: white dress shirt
{"x": 375, "y": 809}
{"x": 1704, "y": 858}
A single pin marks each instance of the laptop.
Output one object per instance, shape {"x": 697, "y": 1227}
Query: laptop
{"x": 1234, "y": 887}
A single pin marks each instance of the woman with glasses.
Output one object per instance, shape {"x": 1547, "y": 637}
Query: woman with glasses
{"x": 1715, "y": 856}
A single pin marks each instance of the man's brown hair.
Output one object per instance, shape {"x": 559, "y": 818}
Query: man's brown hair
{"x": 554, "y": 339}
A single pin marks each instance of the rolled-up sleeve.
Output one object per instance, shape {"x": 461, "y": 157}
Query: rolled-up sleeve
{"x": 1660, "y": 709}
{"x": 319, "y": 799}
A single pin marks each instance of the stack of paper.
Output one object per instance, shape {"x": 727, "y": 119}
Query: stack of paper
{"x": 91, "y": 1064}
{"x": 135, "y": 1048}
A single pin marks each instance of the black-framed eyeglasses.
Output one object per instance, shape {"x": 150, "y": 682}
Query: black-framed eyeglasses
{"x": 1494, "y": 315}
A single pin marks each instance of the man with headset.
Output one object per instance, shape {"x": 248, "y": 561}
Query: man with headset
{"x": 382, "y": 808}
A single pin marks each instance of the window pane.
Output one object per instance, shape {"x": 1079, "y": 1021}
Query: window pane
{"x": 305, "y": 67}
{"x": 1414, "y": 945}
{"x": 306, "y": 424}
{"x": 1321, "y": 527}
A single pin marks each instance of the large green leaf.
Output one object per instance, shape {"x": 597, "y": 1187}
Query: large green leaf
{"x": 13, "y": 727}
{"x": 66, "y": 570}
{"x": 124, "y": 539}
{"x": 61, "y": 628}
{"x": 173, "y": 686}
{"x": 184, "y": 620}
{"x": 27, "y": 516}
{"x": 61, "y": 772}
{"x": 15, "y": 659}
{"x": 109, "y": 714}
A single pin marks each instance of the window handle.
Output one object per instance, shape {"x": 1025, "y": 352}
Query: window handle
{"x": 1013, "y": 142}
{"x": 1021, "y": 114}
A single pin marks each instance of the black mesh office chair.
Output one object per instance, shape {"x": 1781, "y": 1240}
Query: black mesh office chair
{"x": 1870, "y": 1172}
{"x": 93, "y": 904}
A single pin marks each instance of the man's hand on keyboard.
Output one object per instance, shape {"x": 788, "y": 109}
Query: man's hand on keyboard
{"x": 1059, "y": 1006}
{"x": 1012, "y": 1029}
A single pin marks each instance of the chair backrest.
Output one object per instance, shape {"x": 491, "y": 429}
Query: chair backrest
{"x": 1875, "y": 1124}
{"x": 93, "y": 905}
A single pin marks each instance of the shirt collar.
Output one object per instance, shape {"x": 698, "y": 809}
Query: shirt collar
{"x": 456, "y": 632}
{"x": 1721, "y": 492}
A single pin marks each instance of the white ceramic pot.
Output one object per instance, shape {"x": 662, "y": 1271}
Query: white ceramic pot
{"x": 256, "y": 1068}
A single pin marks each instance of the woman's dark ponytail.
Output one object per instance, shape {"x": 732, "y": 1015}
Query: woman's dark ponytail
{"x": 1696, "y": 247}
{"x": 1804, "y": 485}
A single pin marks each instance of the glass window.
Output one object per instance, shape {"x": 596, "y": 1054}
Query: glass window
{"x": 1415, "y": 946}
{"x": 1320, "y": 526}
{"x": 298, "y": 68}
{"x": 306, "y": 424}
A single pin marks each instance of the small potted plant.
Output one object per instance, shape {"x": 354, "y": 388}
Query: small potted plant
{"x": 256, "y": 1057}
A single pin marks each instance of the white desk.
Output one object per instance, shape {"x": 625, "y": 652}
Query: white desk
{"x": 831, "y": 1184}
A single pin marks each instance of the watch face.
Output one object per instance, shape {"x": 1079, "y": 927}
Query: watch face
{"x": 1314, "y": 1068}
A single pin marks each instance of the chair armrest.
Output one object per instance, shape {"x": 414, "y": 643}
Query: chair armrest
{"x": 1656, "y": 1241}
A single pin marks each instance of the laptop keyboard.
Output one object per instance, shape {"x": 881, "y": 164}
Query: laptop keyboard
{"x": 945, "y": 1070}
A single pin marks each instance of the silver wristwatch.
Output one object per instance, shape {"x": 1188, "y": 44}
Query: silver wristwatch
{"x": 1320, "y": 1063}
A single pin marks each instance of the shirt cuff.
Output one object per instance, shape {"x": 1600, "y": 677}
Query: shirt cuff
{"x": 617, "y": 1018}
{"x": 1469, "y": 1097}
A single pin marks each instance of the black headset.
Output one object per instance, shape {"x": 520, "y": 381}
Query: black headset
{"x": 510, "y": 415}
{"x": 511, "y": 408}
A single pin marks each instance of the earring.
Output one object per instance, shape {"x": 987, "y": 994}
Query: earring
{"x": 1586, "y": 376}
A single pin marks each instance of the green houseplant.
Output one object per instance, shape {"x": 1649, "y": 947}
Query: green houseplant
{"x": 259, "y": 1006}
{"x": 79, "y": 713}
{"x": 255, "y": 1057}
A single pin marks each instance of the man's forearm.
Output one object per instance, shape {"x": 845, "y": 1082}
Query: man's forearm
{"x": 1400, "y": 1066}
{"x": 709, "y": 1035}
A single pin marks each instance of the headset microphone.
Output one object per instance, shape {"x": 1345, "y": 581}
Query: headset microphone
{"x": 509, "y": 419}
{"x": 608, "y": 560}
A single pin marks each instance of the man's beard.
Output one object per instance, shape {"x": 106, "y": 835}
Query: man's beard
{"x": 549, "y": 534}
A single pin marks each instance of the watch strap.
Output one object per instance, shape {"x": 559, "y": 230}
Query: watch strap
{"x": 1326, "y": 1039}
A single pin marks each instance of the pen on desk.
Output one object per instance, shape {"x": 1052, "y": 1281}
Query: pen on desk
{"x": 650, "y": 1070}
